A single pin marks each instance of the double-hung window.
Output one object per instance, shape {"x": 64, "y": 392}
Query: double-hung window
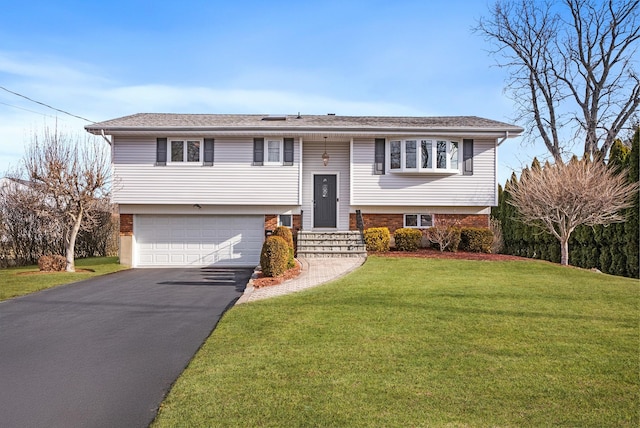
{"x": 185, "y": 150}
{"x": 274, "y": 151}
{"x": 424, "y": 155}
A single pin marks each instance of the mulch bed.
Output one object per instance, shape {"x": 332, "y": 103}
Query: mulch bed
{"x": 460, "y": 255}
{"x": 262, "y": 281}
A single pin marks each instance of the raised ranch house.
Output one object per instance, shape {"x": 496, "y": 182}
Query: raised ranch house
{"x": 202, "y": 189}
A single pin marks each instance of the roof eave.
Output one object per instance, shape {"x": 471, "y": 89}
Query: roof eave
{"x": 266, "y": 130}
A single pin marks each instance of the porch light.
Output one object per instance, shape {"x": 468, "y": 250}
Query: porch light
{"x": 325, "y": 155}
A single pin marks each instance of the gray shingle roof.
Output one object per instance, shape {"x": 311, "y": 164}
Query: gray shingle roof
{"x": 228, "y": 122}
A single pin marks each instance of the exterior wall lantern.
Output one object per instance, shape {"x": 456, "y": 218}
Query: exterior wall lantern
{"x": 325, "y": 155}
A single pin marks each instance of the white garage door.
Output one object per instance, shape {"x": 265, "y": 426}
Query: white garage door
{"x": 198, "y": 240}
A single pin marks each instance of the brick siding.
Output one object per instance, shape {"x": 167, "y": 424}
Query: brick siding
{"x": 126, "y": 224}
{"x": 396, "y": 221}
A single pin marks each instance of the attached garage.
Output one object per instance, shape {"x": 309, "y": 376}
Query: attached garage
{"x": 197, "y": 240}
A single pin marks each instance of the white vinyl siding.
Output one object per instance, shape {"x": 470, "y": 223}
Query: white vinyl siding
{"x": 423, "y": 189}
{"x": 233, "y": 180}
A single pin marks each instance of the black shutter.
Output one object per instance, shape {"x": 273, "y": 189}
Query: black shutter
{"x": 288, "y": 151}
{"x": 161, "y": 151}
{"x": 208, "y": 151}
{"x": 378, "y": 167}
{"x": 258, "y": 151}
{"x": 467, "y": 157}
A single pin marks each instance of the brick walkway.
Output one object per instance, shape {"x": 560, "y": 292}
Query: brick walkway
{"x": 315, "y": 271}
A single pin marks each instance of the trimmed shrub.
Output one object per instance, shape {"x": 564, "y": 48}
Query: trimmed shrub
{"x": 377, "y": 238}
{"x": 476, "y": 239}
{"x": 285, "y": 233}
{"x": 274, "y": 256}
{"x": 444, "y": 238}
{"x": 52, "y": 263}
{"x": 407, "y": 239}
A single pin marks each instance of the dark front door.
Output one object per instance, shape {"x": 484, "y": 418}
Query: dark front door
{"x": 325, "y": 198}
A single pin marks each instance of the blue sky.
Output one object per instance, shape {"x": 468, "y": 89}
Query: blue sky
{"x": 101, "y": 60}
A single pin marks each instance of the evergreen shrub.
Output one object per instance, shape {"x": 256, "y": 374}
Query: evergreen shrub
{"x": 377, "y": 239}
{"x": 285, "y": 233}
{"x": 476, "y": 239}
{"x": 407, "y": 239}
{"x": 274, "y": 256}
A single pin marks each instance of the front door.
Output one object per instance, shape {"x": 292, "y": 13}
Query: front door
{"x": 325, "y": 200}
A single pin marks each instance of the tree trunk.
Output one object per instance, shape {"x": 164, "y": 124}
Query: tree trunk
{"x": 564, "y": 250}
{"x": 71, "y": 243}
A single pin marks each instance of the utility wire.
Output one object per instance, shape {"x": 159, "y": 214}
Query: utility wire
{"x": 26, "y": 109}
{"x": 46, "y": 105}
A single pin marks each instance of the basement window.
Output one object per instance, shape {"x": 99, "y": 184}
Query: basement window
{"x": 420, "y": 221}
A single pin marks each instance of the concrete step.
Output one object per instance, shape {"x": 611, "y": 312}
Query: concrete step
{"x": 330, "y": 244}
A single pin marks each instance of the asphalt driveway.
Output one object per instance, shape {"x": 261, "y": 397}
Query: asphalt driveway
{"x": 104, "y": 352}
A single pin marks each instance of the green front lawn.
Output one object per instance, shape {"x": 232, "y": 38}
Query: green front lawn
{"x": 423, "y": 342}
{"x": 24, "y": 280}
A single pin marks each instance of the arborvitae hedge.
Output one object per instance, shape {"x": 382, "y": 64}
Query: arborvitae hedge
{"x": 611, "y": 249}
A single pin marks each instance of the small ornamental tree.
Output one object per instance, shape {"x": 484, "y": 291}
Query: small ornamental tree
{"x": 72, "y": 176}
{"x": 560, "y": 197}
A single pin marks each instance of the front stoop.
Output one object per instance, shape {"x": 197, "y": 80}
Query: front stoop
{"x": 331, "y": 244}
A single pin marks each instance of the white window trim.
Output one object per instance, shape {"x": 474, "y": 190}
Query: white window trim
{"x": 280, "y": 222}
{"x": 434, "y": 151}
{"x": 280, "y": 149}
{"x": 419, "y": 217}
{"x": 184, "y": 150}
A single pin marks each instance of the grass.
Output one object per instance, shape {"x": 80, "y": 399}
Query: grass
{"x": 16, "y": 282}
{"x": 424, "y": 342}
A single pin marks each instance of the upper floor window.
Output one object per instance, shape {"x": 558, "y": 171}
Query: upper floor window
{"x": 274, "y": 151}
{"x": 187, "y": 151}
{"x": 424, "y": 155}
{"x": 184, "y": 151}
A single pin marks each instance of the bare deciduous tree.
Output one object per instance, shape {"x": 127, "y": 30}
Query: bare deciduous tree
{"x": 72, "y": 176}
{"x": 570, "y": 62}
{"x": 560, "y": 197}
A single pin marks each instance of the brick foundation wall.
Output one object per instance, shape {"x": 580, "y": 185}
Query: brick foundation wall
{"x": 126, "y": 224}
{"x": 270, "y": 221}
{"x": 391, "y": 221}
{"x": 462, "y": 220}
{"x": 396, "y": 221}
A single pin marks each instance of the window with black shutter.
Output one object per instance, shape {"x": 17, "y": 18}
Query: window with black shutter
{"x": 378, "y": 167}
{"x": 467, "y": 157}
{"x": 288, "y": 151}
{"x": 258, "y": 151}
{"x": 161, "y": 151}
{"x": 208, "y": 151}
